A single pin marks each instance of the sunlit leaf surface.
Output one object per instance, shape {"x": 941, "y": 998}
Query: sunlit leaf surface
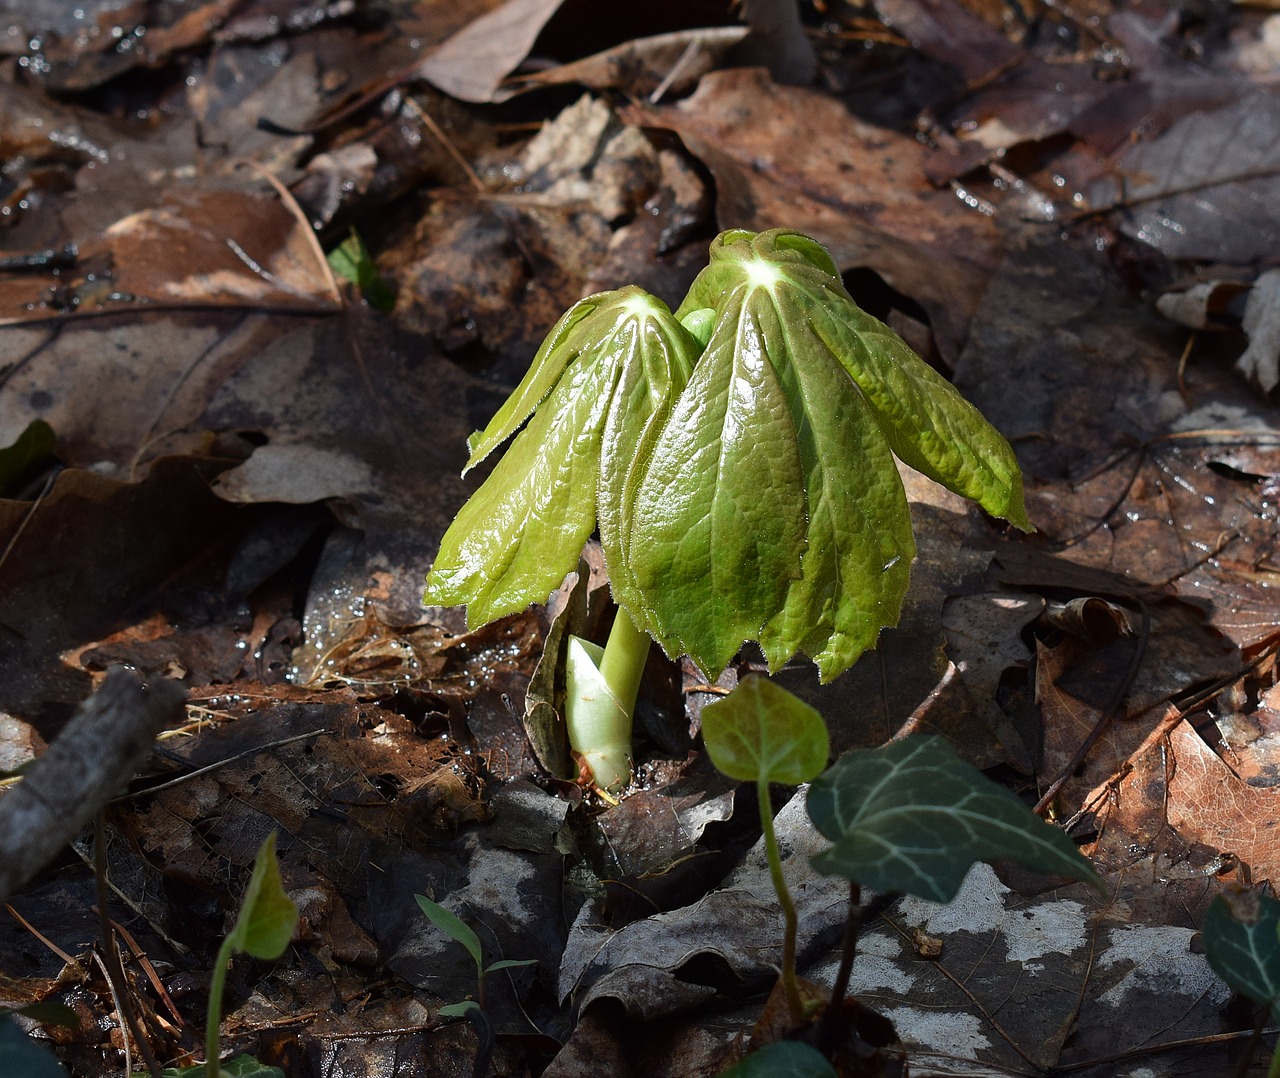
{"x": 746, "y": 493}
{"x": 761, "y": 731}
{"x": 772, "y": 509}
{"x": 610, "y": 361}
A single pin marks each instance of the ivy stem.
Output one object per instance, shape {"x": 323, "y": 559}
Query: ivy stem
{"x": 600, "y": 700}
{"x": 789, "y": 984}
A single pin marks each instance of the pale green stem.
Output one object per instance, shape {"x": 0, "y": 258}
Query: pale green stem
{"x": 213, "y": 1020}
{"x": 600, "y": 700}
{"x": 624, "y": 657}
{"x": 789, "y": 984}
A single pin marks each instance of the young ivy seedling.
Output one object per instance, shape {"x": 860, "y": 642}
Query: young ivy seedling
{"x": 737, "y": 460}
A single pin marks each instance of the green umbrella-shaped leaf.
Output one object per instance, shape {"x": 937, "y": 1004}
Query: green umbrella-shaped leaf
{"x": 1245, "y": 950}
{"x": 653, "y": 374}
{"x": 522, "y": 531}
{"x": 268, "y": 916}
{"x": 761, "y": 731}
{"x": 912, "y": 816}
{"x": 771, "y": 508}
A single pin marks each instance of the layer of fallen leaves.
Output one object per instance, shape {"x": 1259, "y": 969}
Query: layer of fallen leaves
{"x": 1065, "y": 208}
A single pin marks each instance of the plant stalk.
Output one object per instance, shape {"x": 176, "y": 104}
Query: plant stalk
{"x": 600, "y": 700}
{"x": 789, "y": 924}
{"x": 213, "y": 1021}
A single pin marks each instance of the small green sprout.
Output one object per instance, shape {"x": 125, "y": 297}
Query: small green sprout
{"x": 737, "y": 460}
{"x": 761, "y": 733}
{"x": 473, "y": 1010}
{"x": 351, "y": 261}
{"x": 457, "y": 929}
{"x": 908, "y": 817}
{"x": 267, "y": 921}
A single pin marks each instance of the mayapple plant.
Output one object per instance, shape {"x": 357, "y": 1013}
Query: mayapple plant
{"x": 736, "y": 458}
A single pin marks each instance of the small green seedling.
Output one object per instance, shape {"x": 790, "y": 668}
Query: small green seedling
{"x": 351, "y": 261}
{"x": 473, "y": 1010}
{"x": 457, "y": 929}
{"x": 737, "y": 459}
{"x": 908, "y": 817}
{"x": 761, "y": 733}
{"x": 267, "y": 921}
{"x": 1242, "y": 944}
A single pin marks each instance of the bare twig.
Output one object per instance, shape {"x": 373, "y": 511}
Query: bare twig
{"x": 110, "y": 734}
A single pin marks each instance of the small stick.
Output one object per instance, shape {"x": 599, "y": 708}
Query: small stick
{"x": 110, "y": 734}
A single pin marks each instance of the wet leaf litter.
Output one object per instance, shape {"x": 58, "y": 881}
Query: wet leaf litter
{"x": 251, "y": 471}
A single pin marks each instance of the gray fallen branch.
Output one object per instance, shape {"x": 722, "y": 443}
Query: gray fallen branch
{"x": 109, "y": 736}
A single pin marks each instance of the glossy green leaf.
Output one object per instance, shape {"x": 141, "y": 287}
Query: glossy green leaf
{"x": 454, "y": 927}
{"x": 772, "y": 509}
{"x": 654, "y": 372}
{"x": 605, "y": 362}
{"x": 1243, "y": 945}
{"x": 929, "y": 425}
{"x": 268, "y": 916}
{"x": 761, "y": 731}
{"x": 783, "y": 1059}
{"x": 912, "y": 816}
{"x": 718, "y": 527}
{"x": 750, "y": 495}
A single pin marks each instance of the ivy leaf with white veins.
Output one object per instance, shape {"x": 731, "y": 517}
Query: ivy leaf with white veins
{"x": 912, "y": 816}
{"x": 771, "y": 508}
{"x": 609, "y": 362}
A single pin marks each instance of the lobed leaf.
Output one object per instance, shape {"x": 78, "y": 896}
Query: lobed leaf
{"x": 771, "y": 508}
{"x": 1245, "y": 951}
{"x": 610, "y": 361}
{"x": 749, "y": 493}
{"x": 762, "y": 732}
{"x": 929, "y": 425}
{"x": 912, "y": 816}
